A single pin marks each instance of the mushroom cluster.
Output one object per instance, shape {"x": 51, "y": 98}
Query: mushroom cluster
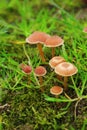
{"x": 41, "y": 38}
{"x": 39, "y": 71}
{"x": 60, "y": 66}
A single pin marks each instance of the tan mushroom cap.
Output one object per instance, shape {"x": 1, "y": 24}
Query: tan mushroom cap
{"x": 55, "y": 61}
{"x": 66, "y": 69}
{"x": 40, "y": 71}
{"x": 54, "y": 41}
{"x": 37, "y": 37}
{"x": 56, "y": 90}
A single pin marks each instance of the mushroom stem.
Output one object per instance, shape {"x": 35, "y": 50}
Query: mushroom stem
{"x": 29, "y": 80}
{"x": 53, "y": 51}
{"x": 41, "y": 82}
{"x": 39, "y": 46}
{"x": 65, "y": 82}
{"x": 56, "y": 96}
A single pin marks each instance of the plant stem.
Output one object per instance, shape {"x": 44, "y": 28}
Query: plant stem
{"x": 76, "y": 89}
{"x": 53, "y": 51}
{"x": 39, "y": 46}
{"x": 0, "y": 93}
{"x": 41, "y": 82}
{"x": 29, "y": 80}
{"x": 75, "y": 111}
{"x": 65, "y": 83}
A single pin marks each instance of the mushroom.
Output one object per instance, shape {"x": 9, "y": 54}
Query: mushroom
{"x": 40, "y": 71}
{"x": 55, "y": 61}
{"x": 26, "y": 69}
{"x": 65, "y": 69}
{"x": 56, "y": 90}
{"x": 54, "y": 41}
{"x": 38, "y": 38}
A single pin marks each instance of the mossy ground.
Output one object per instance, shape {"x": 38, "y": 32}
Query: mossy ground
{"x": 28, "y": 108}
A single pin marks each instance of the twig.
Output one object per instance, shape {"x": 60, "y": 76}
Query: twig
{"x": 67, "y": 96}
{"x": 4, "y": 106}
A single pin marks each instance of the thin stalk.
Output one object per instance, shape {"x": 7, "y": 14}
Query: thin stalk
{"x": 40, "y": 80}
{"x": 29, "y": 80}
{"x": 65, "y": 82}
{"x": 75, "y": 111}
{"x": 76, "y": 89}
{"x": 57, "y": 96}
{"x": 67, "y": 96}
{"x": 0, "y": 93}
{"x": 53, "y": 51}
{"x": 39, "y": 46}
{"x": 41, "y": 83}
{"x": 83, "y": 86}
{"x": 29, "y": 62}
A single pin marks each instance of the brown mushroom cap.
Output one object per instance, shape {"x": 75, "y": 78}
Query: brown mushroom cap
{"x": 54, "y": 41}
{"x": 55, "y": 61}
{"x": 66, "y": 69}
{"x": 26, "y": 68}
{"x": 40, "y": 71}
{"x": 37, "y": 37}
{"x": 56, "y": 90}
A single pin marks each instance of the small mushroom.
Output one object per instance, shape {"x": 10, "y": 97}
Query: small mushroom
{"x": 56, "y": 90}
{"x": 38, "y": 38}
{"x": 65, "y": 69}
{"x": 26, "y": 69}
{"x": 40, "y": 71}
{"x": 52, "y": 42}
{"x": 55, "y": 61}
